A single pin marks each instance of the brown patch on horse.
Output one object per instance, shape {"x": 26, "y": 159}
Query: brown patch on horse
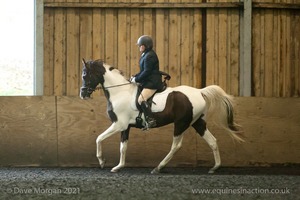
{"x": 178, "y": 110}
{"x": 97, "y": 72}
{"x": 200, "y": 125}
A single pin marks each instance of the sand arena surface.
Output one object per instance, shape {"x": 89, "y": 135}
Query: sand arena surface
{"x": 138, "y": 183}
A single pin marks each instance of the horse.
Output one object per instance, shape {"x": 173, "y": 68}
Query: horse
{"x": 184, "y": 106}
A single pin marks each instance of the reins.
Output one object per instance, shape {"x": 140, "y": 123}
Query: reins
{"x": 101, "y": 87}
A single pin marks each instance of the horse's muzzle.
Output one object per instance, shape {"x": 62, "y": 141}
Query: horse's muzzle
{"x": 84, "y": 93}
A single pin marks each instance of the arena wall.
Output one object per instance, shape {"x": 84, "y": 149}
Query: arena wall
{"x": 62, "y": 130}
{"x": 249, "y": 49}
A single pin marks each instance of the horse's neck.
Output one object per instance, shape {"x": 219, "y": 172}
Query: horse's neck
{"x": 111, "y": 81}
{"x": 120, "y": 91}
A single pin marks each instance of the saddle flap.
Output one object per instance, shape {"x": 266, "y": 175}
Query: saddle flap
{"x": 150, "y": 100}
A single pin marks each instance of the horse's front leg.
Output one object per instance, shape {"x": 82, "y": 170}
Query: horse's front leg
{"x": 123, "y": 148}
{"x": 107, "y": 133}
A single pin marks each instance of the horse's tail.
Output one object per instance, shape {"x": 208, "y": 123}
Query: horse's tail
{"x": 220, "y": 103}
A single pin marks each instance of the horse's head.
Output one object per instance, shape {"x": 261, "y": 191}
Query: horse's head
{"x": 92, "y": 75}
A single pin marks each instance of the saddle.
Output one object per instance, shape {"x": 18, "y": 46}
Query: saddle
{"x": 139, "y": 121}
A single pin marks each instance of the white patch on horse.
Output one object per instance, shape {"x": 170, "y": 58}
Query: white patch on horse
{"x": 160, "y": 100}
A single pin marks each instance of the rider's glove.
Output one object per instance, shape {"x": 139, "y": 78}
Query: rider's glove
{"x": 132, "y": 79}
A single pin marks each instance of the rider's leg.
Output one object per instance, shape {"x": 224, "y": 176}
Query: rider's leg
{"x": 144, "y": 96}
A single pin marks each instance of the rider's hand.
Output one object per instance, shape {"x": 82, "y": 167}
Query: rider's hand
{"x": 132, "y": 79}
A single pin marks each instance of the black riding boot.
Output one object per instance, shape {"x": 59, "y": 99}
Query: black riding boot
{"x": 148, "y": 114}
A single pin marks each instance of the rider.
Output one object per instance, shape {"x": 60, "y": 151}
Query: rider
{"x": 149, "y": 76}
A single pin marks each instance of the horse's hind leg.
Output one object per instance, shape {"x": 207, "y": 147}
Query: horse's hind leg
{"x": 212, "y": 142}
{"x": 123, "y": 148}
{"x": 176, "y": 145}
{"x": 200, "y": 127}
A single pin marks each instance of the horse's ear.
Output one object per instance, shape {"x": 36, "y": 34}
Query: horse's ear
{"x": 83, "y": 62}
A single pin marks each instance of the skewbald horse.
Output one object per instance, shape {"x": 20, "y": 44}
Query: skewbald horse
{"x": 183, "y": 105}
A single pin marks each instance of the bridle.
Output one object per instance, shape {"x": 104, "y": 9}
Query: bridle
{"x": 90, "y": 90}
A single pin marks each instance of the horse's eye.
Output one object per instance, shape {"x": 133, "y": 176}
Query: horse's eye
{"x": 84, "y": 74}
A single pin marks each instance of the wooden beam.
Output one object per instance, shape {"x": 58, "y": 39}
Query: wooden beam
{"x": 245, "y": 50}
{"x": 140, "y": 5}
{"x": 169, "y": 5}
{"x": 277, "y": 5}
{"x": 39, "y": 48}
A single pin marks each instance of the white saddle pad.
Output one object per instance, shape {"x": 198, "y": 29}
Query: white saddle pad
{"x": 159, "y": 100}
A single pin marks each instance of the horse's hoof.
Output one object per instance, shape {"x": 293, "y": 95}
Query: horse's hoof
{"x": 212, "y": 170}
{"x": 102, "y": 163}
{"x": 114, "y": 170}
{"x": 155, "y": 171}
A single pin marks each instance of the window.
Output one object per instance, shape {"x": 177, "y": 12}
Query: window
{"x": 17, "y": 39}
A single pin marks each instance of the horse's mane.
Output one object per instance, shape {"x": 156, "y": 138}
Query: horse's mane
{"x": 101, "y": 62}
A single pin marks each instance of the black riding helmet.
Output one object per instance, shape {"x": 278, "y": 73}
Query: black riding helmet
{"x": 145, "y": 40}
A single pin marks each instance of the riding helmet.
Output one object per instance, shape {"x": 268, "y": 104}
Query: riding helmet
{"x": 145, "y": 40}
